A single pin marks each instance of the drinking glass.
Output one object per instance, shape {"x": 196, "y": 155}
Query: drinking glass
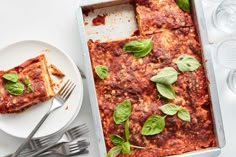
{"x": 226, "y": 57}
{"x": 224, "y": 17}
{"x": 231, "y": 80}
{"x": 208, "y": 2}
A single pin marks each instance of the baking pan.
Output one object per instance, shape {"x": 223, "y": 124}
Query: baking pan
{"x": 121, "y": 20}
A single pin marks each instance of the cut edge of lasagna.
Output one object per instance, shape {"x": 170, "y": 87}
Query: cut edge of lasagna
{"x": 36, "y": 72}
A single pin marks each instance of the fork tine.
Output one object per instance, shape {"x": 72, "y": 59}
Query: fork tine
{"x": 82, "y": 130}
{"x": 67, "y": 86}
{"x": 44, "y": 139}
{"x": 78, "y": 134}
{"x": 78, "y": 146}
{"x": 78, "y": 149}
{"x": 40, "y": 142}
{"x": 63, "y": 87}
{"x": 69, "y": 91}
{"x": 76, "y": 128}
{"x": 65, "y": 91}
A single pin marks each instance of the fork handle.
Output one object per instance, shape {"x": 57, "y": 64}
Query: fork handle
{"x": 27, "y": 140}
{"x": 45, "y": 149}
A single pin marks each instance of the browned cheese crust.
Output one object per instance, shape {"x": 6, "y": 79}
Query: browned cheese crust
{"x": 35, "y": 69}
{"x": 129, "y": 78}
{"x": 157, "y": 15}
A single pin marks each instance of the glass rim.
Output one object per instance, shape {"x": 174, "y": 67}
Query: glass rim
{"x": 217, "y": 53}
{"x": 215, "y": 22}
{"x": 230, "y": 80}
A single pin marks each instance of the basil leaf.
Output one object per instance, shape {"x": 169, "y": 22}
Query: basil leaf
{"x": 11, "y": 76}
{"x": 28, "y": 85}
{"x": 184, "y": 115}
{"x": 101, "y": 71}
{"x": 116, "y": 139}
{"x": 126, "y": 148}
{"x": 169, "y": 109}
{"x": 166, "y": 76}
{"x": 134, "y": 46}
{"x": 122, "y": 112}
{"x": 155, "y": 124}
{"x": 146, "y": 50}
{"x": 166, "y": 91}
{"x": 15, "y": 88}
{"x": 184, "y": 5}
{"x": 187, "y": 63}
{"x": 140, "y": 48}
{"x": 127, "y": 130}
{"x": 113, "y": 152}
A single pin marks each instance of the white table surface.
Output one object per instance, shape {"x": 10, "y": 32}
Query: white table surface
{"x": 54, "y": 21}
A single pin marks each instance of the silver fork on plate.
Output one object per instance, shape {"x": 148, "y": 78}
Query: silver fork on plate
{"x": 71, "y": 134}
{"x": 57, "y": 102}
{"x": 68, "y": 136}
{"x": 69, "y": 148}
{"x": 35, "y": 144}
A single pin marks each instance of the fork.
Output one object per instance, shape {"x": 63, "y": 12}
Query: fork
{"x": 35, "y": 144}
{"x": 57, "y": 102}
{"x": 68, "y": 136}
{"x": 69, "y": 148}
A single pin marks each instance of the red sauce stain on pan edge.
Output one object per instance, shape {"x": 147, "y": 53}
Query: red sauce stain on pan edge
{"x": 99, "y": 20}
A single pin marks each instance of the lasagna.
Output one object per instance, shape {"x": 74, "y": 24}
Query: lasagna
{"x": 157, "y": 15}
{"x": 32, "y": 85}
{"x": 173, "y": 34}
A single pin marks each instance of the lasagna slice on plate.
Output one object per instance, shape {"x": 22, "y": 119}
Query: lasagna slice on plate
{"x": 25, "y": 85}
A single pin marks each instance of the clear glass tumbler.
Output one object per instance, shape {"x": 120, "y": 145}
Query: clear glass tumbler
{"x": 209, "y": 2}
{"x": 226, "y": 57}
{"x": 224, "y": 17}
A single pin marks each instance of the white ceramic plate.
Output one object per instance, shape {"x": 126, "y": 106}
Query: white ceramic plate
{"x": 21, "y": 124}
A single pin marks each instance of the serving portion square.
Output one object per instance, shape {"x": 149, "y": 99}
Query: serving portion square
{"x": 157, "y": 15}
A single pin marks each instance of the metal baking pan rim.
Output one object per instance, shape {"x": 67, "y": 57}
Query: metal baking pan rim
{"x": 217, "y": 118}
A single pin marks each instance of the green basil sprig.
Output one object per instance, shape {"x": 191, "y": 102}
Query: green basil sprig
{"x": 184, "y": 115}
{"x": 166, "y": 91}
{"x": 169, "y": 109}
{"x": 184, "y": 5}
{"x": 15, "y": 88}
{"x": 12, "y": 86}
{"x": 121, "y": 146}
{"x": 187, "y": 63}
{"x": 122, "y": 112}
{"x": 28, "y": 84}
{"x": 140, "y": 48}
{"x": 116, "y": 139}
{"x": 167, "y": 75}
{"x": 101, "y": 71}
{"x": 125, "y": 146}
{"x": 114, "y": 151}
{"x": 172, "y": 109}
{"x": 155, "y": 124}
{"x": 164, "y": 80}
{"x": 11, "y": 76}
{"x": 127, "y": 134}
